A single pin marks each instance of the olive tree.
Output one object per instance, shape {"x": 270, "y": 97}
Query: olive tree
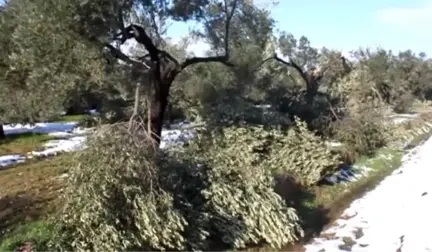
{"x": 70, "y": 43}
{"x": 111, "y": 24}
{"x": 308, "y": 62}
{"x": 43, "y": 62}
{"x": 251, "y": 34}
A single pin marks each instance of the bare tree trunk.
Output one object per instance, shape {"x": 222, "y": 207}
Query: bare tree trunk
{"x": 168, "y": 116}
{"x": 2, "y": 133}
{"x": 158, "y": 105}
{"x": 163, "y": 66}
{"x": 311, "y": 89}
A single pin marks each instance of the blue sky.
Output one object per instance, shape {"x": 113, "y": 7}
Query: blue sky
{"x": 349, "y": 24}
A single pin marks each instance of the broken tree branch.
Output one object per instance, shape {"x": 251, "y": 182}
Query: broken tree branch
{"x": 138, "y": 32}
{"x": 292, "y": 64}
{"x": 136, "y": 105}
{"x": 117, "y": 53}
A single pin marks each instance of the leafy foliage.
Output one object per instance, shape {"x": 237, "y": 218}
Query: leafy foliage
{"x": 114, "y": 199}
{"x": 304, "y": 155}
{"x": 42, "y": 52}
{"x": 364, "y": 132}
{"x": 237, "y": 155}
{"x": 297, "y": 151}
{"x": 139, "y": 198}
{"x": 125, "y": 195}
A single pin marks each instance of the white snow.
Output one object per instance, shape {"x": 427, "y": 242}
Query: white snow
{"x": 401, "y": 118}
{"x": 176, "y": 136}
{"x": 396, "y": 214}
{"x": 10, "y": 160}
{"x": 39, "y": 128}
{"x": 57, "y": 129}
{"x": 67, "y": 142}
{"x": 70, "y": 138}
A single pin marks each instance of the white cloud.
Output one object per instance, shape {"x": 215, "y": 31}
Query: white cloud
{"x": 410, "y": 17}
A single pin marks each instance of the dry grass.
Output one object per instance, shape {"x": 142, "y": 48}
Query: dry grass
{"x": 22, "y": 143}
{"x": 30, "y": 191}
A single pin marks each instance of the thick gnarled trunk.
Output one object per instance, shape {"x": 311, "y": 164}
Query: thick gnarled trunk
{"x": 162, "y": 67}
{"x": 158, "y": 104}
{"x": 2, "y": 133}
{"x": 311, "y": 89}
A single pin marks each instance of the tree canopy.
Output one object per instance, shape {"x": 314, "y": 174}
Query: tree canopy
{"x": 57, "y": 53}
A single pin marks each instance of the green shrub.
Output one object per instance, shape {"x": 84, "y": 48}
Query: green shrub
{"x": 239, "y": 185}
{"x": 124, "y": 195}
{"x": 229, "y": 110}
{"x": 363, "y": 133}
{"x": 114, "y": 200}
{"x": 297, "y": 152}
{"x": 303, "y": 155}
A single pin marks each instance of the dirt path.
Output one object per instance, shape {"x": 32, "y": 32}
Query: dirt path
{"x": 395, "y": 216}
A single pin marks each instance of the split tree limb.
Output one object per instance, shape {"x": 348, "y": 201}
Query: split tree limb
{"x": 117, "y": 53}
{"x": 292, "y": 64}
{"x": 136, "y": 105}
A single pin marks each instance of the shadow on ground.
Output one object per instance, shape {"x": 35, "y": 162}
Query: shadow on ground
{"x": 313, "y": 217}
{"x": 15, "y": 210}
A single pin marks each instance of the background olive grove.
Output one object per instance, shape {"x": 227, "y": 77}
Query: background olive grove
{"x": 260, "y": 115}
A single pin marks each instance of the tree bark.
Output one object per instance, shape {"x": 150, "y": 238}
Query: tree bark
{"x": 136, "y": 105}
{"x": 158, "y": 104}
{"x": 311, "y": 78}
{"x": 168, "y": 115}
{"x": 311, "y": 89}
{"x": 2, "y": 133}
{"x": 163, "y": 66}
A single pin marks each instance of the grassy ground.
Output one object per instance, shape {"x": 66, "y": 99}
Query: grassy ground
{"x": 71, "y": 118}
{"x": 22, "y": 143}
{"x": 38, "y": 233}
{"x": 30, "y": 191}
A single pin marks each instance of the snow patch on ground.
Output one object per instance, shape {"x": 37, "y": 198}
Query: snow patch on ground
{"x": 71, "y": 138}
{"x": 353, "y": 173}
{"x": 10, "y": 160}
{"x": 66, "y": 142}
{"x": 171, "y": 137}
{"x": 402, "y": 118}
{"x": 393, "y": 216}
{"x": 41, "y": 128}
